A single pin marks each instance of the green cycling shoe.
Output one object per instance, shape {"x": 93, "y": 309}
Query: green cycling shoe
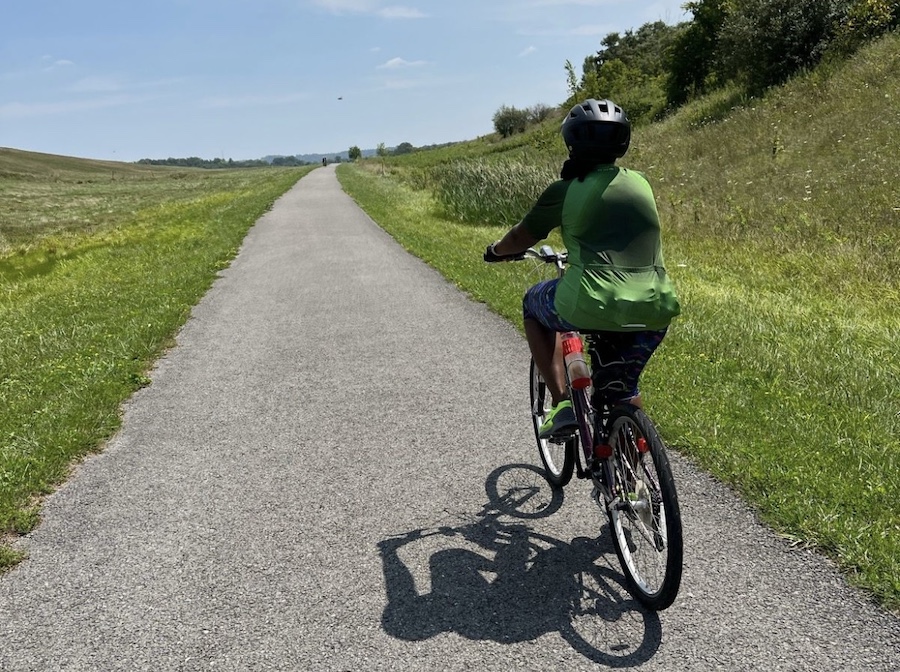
{"x": 560, "y": 421}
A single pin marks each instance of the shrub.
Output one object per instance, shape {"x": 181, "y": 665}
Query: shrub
{"x": 693, "y": 50}
{"x": 864, "y": 20}
{"x": 540, "y": 112}
{"x": 510, "y": 120}
{"x": 763, "y": 42}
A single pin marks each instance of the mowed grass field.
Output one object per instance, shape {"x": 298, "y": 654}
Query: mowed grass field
{"x": 781, "y": 222}
{"x": 100, "y": 264}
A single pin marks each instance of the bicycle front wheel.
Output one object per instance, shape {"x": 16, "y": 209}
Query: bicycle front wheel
{"x": 644, "y": 517}
{"x": 558, "y": 455}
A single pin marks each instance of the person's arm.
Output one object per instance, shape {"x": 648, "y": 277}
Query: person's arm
{"x": 534, "y": 227}
{"x": 516, "y": 241}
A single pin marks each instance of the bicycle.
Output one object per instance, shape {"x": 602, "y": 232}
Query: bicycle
{"x": 625, "y": 459}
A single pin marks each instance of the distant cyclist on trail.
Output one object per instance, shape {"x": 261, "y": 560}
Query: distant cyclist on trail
{"x": 616, "y": 281}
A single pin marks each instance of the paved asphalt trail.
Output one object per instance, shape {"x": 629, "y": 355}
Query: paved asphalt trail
{"x": 315, "y": 480}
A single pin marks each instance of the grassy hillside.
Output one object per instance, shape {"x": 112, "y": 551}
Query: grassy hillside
{"x": 18, "y": 164}
{"x": 781, "y": 229}
{"x": 100, "y": 263}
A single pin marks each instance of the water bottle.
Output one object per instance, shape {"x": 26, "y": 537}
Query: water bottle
{"x": 573, "y": 354}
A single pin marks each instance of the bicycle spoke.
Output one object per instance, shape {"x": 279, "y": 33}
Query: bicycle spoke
{"x": 557, "y": 455}
{"x": 644, "y": 514}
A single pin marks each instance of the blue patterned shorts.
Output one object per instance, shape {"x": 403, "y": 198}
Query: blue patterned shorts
{"x": 539, "y": 304}
{"x": 617, "y": 357}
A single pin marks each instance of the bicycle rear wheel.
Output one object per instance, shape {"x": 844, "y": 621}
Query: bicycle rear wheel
{"x": 645, "y": 518}
{"x": 558, "y": 455}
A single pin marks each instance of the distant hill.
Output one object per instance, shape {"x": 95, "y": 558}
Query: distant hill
{"x": 315, "y": 158}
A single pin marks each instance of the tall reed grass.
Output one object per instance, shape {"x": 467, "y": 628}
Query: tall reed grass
{"x": 490, "y": 191}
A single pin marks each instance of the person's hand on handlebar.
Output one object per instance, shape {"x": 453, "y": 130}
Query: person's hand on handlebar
{"x": 514, "y": 244}
{"x": 491, "y": 256}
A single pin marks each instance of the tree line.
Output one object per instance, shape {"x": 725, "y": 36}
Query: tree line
{"x": 355, "y": 152}
{"x": 197, "y": 162}
{"x": 746, "y": 46}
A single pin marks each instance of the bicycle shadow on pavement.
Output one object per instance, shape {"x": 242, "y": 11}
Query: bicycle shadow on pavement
{"x": 497, "y": 579}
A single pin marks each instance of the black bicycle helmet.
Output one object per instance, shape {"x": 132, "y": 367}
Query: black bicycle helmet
{"x": 598, "y": 128}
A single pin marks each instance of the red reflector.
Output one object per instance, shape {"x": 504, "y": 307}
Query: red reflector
{"x": 642, "y": 445}
{"x": 581, "y": 383}
{"x": 570, "y": 345}
{"x": 602, "y": 451}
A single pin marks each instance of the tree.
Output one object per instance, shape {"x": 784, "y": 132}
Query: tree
{"x": 630, "y": 69}
{"x": 539, "y": 112}
{"x": 381, "y": 150}
{"x": 864, "y": 20}
{"x": 509, "y": 120}
{"x": 354, "y": 153}
{"x": 285, "y": 161}
{"x": 763, "y": 42}
{"x": 403, "y": 148}
{"x": 693, "y": 51}
{"x": 645, "y": 50}
{"x": 572, "y": 85}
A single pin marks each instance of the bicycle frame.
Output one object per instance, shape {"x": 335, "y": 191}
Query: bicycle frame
{"x": 592, "y": 430}
{"x": 595, "y": 449}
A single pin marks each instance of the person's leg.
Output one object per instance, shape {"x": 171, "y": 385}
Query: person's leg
{"x": 546, "y": 349}
{"x": 542, "y": 330}
{"x": 621, "y": 358}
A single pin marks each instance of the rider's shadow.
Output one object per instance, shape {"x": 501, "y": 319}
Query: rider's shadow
{"x": 502, "y": 581}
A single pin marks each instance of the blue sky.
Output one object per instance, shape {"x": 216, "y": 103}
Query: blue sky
{"x": 241, "y": 79}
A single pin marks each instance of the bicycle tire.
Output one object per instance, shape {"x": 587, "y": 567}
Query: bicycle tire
{"x": 558, "y": 458}
{"x": 646, "y": 524}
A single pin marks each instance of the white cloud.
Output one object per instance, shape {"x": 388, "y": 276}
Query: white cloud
{"x": 396, "y": 63}
{"x": 528, "y": 51}
{"x": 339, "y": 6}
{"x": 396, "y": 12}
{"x": 57, "y": 64}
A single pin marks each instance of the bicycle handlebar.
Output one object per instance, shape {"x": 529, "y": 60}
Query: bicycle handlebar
{"x": 546, "y": 254}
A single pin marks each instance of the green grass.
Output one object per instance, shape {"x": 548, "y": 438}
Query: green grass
{"x": 781, "y": 218}
{"x": 99, "y": 267}
{"x": 781, "y": 229}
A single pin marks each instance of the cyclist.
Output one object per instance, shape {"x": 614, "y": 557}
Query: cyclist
{"x": 616, "y": 282}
